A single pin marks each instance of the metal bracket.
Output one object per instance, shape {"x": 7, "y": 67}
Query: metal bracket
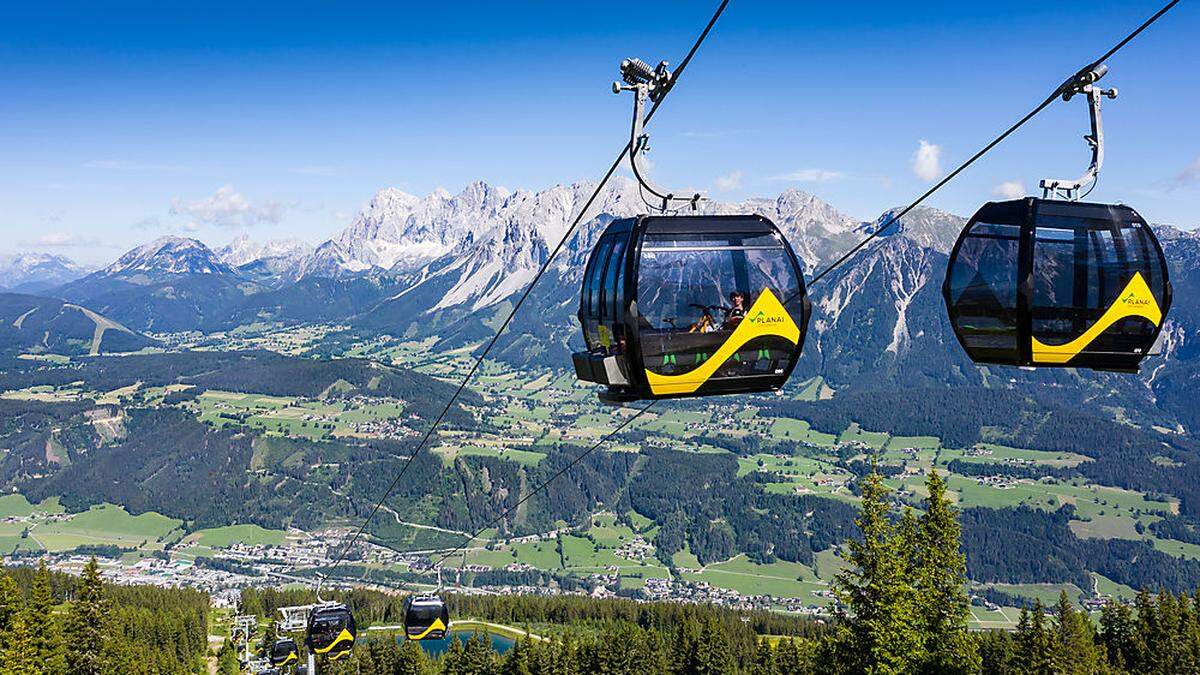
{"x": 653, "y": 84}
{"x": 1083, "y": 83}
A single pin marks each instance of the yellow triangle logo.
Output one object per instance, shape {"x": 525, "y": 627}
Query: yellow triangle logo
{"x": 1135, "y": 299}
{"x": 767, "y": 316}
{"x": 436, "y": 625}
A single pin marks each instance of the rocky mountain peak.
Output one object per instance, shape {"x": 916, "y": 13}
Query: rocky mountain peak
{"x": 168, "y": 255}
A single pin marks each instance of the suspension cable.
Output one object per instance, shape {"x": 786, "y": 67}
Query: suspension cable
{"x": 525, "y": 294}
{"x": 544, "y": 484}
{"x": 987, "y": 148}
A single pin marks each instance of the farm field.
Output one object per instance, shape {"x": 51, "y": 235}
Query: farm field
{"x": 102, "y": 525}
{"x": 221, "y": 537}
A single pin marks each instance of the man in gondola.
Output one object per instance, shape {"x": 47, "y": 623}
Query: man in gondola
{"x": 737, "y": 311}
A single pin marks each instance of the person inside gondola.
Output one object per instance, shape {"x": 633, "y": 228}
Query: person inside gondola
{"x": 737, "y": 311}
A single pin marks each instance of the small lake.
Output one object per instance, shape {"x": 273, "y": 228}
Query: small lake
{"x": 500, "y": 643}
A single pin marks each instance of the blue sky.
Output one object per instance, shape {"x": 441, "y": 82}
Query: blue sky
{"x": 123, "y": 121}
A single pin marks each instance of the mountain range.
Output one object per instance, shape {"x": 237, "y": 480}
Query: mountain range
{"x": 34, "y": 272}
{"x": 447, "y": 265}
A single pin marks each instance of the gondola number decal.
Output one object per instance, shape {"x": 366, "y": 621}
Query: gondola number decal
{"x": 1135, "y": 300}
{"x": 767, "y": 316}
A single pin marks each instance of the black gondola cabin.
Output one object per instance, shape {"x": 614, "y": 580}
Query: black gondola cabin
{"x": 1040, "y": 282}
{"x": 331, "y": 631}
{"x": 426, "y": 617}
{"x": 284, "y": 652}
{"x": 678, "y": 306}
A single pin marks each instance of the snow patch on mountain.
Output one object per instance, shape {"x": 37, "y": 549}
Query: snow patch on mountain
{"x": 927, "y": 226}
{"x": 243, "y": 250}
{"x": 168, "y": 256}
{"x": 486, "y": 243}
{"x": 37, "y": 271}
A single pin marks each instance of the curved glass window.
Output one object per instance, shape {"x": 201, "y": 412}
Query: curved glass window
{"x": 982, "y": 290}
{"x": 695, "y": 289}
{"x": 612, "y": 327}
{"x": 1084, "y": 260}
{"x": 591, "y": 292}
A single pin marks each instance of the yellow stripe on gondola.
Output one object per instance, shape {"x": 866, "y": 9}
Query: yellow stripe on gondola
{"x": 290, "y": 657}
{"x": 437, "y": 624}
{"x": 1135, "y": 300}
{"x": 342, "y": 637}
{"x": 767, "y": 317}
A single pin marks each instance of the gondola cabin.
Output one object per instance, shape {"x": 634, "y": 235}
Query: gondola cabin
{"x": 331, "y": 631}
{"x": 426, "y": 617}
{"x": 678, "y": 306}
{"x": 284, "y": 652}
{"x": 1049, "y": 283}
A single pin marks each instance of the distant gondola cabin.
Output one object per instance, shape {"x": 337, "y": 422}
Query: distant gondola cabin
{"x": 426, "y": 617}
{"x": 331, "y": 631}
{"x": 284, "y": 652}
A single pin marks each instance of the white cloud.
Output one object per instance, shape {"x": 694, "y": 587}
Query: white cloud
{"x": 1010, "y": 189}
{"x": 228, "y": 208}
{"x": 1189, "y": 176}
{"x": 811, "y": 176}
{"x": 730, "y": 181}
{"x": 60, "y": 240}
{"x": 927, "y": 161}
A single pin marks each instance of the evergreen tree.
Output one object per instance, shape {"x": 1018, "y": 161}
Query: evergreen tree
{"x": 559, "y": 657}
{"x": 86, "y": 623}
{"x": 227, "y": 660}
{"x": 1076, "y": 651}
{"x": 997, "y": 653}
{"x": 1116, "y": 634}
{"x": 412, "y": 660}
{"x": 517, "y": 661}
{"x": 764, "y": 659}
{"x": 941, "y": 579}
{"x": 117, "y": 655}
{"x": 684, "y": 644}
{"x": 43, "y": 627}
{"x": 1189, "y": 635}
{"x": 10, "y": 603}
{"x": 884, "y": 636}
{"x": 797, "y": 656}
{"x": 250, "y": 602}
{"x": 452, "y": 659}
{"x": 20, "y": 657}
{"x": 270, "y": 635}
{"x": 480, "y": 658}
{"x": 715, "y": 654}
{"x": 473, "y": 658}
{"x": 1035, "y": 646}
{"x": 1146, "y": 636}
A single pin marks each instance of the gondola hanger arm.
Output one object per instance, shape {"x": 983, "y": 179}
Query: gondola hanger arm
{"x": 1084, "y": 83}
{"x": 653, "y": 84}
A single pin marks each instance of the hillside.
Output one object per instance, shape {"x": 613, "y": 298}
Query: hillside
{"x": 31, "y": 324}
